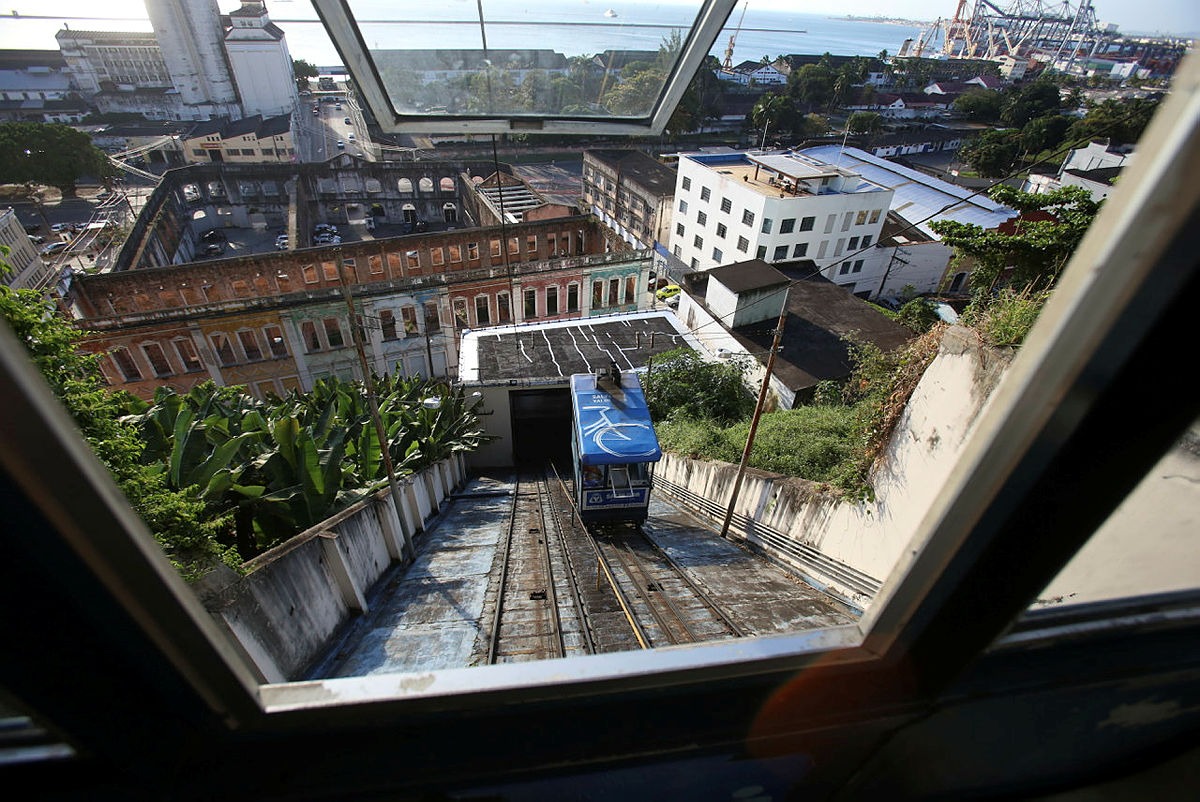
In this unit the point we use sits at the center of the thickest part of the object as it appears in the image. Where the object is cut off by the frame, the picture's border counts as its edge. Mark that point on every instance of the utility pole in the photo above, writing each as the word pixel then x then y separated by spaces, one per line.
pixel 368 381
pixel 758 408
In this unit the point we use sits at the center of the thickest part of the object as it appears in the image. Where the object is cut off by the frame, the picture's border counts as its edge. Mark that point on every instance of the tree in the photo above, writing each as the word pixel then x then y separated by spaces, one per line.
pixel 49 153
pixel 1028 102
pixel 979 105
pixel 812 85
pixel 303 71
pixel 864 122
pixel 1032 252
pixel 681 384
pixel 1121 122
pixel 993 153
pixel 1044 133
pixel 179 523
pixel 773 112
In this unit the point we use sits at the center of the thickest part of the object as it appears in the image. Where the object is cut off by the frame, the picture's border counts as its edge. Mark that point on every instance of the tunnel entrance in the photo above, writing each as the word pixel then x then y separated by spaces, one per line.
pixel 541 426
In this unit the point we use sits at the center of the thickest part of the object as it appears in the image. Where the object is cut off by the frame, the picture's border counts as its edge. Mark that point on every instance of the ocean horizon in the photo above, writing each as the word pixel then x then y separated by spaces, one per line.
pixel 579 29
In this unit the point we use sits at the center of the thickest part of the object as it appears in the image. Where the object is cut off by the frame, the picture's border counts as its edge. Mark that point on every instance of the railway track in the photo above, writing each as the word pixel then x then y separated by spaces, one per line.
pixel 563 589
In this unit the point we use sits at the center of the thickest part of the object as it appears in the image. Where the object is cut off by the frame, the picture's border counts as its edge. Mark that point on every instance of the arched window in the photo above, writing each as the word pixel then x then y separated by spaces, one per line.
pixel 425 185
pixel 446 184
pixel 405 185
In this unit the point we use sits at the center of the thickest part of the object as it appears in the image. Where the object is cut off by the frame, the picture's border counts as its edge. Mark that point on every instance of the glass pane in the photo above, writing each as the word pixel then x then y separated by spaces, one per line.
pixel 513 59
pixel 1150 544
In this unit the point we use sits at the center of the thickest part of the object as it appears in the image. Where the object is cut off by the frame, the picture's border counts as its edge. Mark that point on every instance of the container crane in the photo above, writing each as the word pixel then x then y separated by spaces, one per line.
pixel 728 63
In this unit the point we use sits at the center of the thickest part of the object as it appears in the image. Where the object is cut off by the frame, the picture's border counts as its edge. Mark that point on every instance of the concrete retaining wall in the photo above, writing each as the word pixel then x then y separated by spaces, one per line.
pixel 850 549
pixel 296 598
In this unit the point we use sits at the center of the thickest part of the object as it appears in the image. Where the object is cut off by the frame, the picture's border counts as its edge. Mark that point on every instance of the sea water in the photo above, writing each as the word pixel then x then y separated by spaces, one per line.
pixel 571 27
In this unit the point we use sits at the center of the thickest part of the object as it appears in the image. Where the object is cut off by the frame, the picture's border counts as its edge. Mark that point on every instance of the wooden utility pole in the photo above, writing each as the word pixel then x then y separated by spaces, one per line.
pixel 762 398
pixel 368 381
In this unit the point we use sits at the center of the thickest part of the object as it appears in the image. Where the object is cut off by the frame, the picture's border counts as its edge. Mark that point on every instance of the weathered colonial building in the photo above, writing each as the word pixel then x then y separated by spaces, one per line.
pixel 277 321
pixel 631 192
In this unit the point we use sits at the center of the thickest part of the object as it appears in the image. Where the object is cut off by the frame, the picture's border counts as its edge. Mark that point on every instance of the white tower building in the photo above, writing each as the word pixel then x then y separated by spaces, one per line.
pixel 261 64
pixel 191 37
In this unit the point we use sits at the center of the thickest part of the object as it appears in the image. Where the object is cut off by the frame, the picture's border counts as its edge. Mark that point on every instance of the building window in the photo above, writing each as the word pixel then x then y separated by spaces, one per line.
pixel 766 225
pixel 310 274
pixel 701 218
pixel 531 243
pixel 433 318
pixel 787 225
pixel 530 304
pixel 331 271
pixel 874 216
pixel 717 255
pixel 459 305
pixel 333 332
pixel 572 297
pixel 683 206
pixel 157 359
pixel 698 241
pixel 679 229
pixel 275 342
pixel 761 253
pixel 125 364
pixel 695 263
pixel 686 183
pixel 799 249
pixel 483 311
pixel 847 218
pixel 224 348
pixel 496 249
pixel 866 241
pixel 503 308
pixel 743 244
pixel 308 333
pixel 853 244
pixel 780 252
pixel 597 294
pixel 721 230
pixel 387 324
pixel 187 356
pixel 861 218
pixel 726 205
pixel 437 256
pixel 409 315
pixel 677 251
pixel 857 266
pixel 455 253
pixel 250 346
pixel 806 223
pixel 747 217
pixel 551 301
pixel 705 194
pixel 830 222
pixel 630 289
pixel 844 269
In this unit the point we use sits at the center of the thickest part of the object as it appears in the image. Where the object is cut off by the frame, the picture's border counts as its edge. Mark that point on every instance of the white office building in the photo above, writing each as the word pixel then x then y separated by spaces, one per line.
pixel 774 206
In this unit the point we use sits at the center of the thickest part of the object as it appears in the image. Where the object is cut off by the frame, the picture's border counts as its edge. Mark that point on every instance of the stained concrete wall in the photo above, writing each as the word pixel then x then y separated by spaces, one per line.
pixel 846 548
pixel 296 598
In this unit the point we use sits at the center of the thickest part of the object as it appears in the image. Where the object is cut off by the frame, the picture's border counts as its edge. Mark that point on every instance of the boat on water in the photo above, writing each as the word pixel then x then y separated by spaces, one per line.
pixel 610 13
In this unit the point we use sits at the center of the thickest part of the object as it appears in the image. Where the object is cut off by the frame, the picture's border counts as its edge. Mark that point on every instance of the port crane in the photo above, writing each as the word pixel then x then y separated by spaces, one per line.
pixel 728 63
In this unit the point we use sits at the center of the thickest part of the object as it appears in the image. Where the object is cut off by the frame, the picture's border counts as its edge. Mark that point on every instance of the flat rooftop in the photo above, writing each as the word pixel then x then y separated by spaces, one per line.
pixel 554 351
pixel 785 173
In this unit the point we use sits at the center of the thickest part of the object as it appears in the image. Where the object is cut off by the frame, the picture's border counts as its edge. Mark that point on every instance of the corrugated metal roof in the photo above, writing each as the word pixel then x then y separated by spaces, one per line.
pixel 919 198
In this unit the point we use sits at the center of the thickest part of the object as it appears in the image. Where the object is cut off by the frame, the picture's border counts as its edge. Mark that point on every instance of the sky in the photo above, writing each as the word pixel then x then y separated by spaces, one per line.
pixel 1180 17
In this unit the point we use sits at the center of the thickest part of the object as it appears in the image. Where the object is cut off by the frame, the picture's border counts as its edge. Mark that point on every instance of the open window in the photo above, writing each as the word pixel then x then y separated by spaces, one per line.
pixel 496 67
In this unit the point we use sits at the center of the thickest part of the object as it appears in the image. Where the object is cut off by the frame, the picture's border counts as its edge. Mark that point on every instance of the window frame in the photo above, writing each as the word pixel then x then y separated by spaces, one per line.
pixel 1031 464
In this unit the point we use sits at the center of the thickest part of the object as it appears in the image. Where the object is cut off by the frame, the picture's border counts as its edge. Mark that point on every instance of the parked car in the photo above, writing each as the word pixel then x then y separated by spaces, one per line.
pixel 37 240
pixel 54 247
pixel 350 136
pixel 346 121
pixel 281 242
pixel 422 226
pixel 59 228
pixel 669 291
pixel 341 145
pixel 213 235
